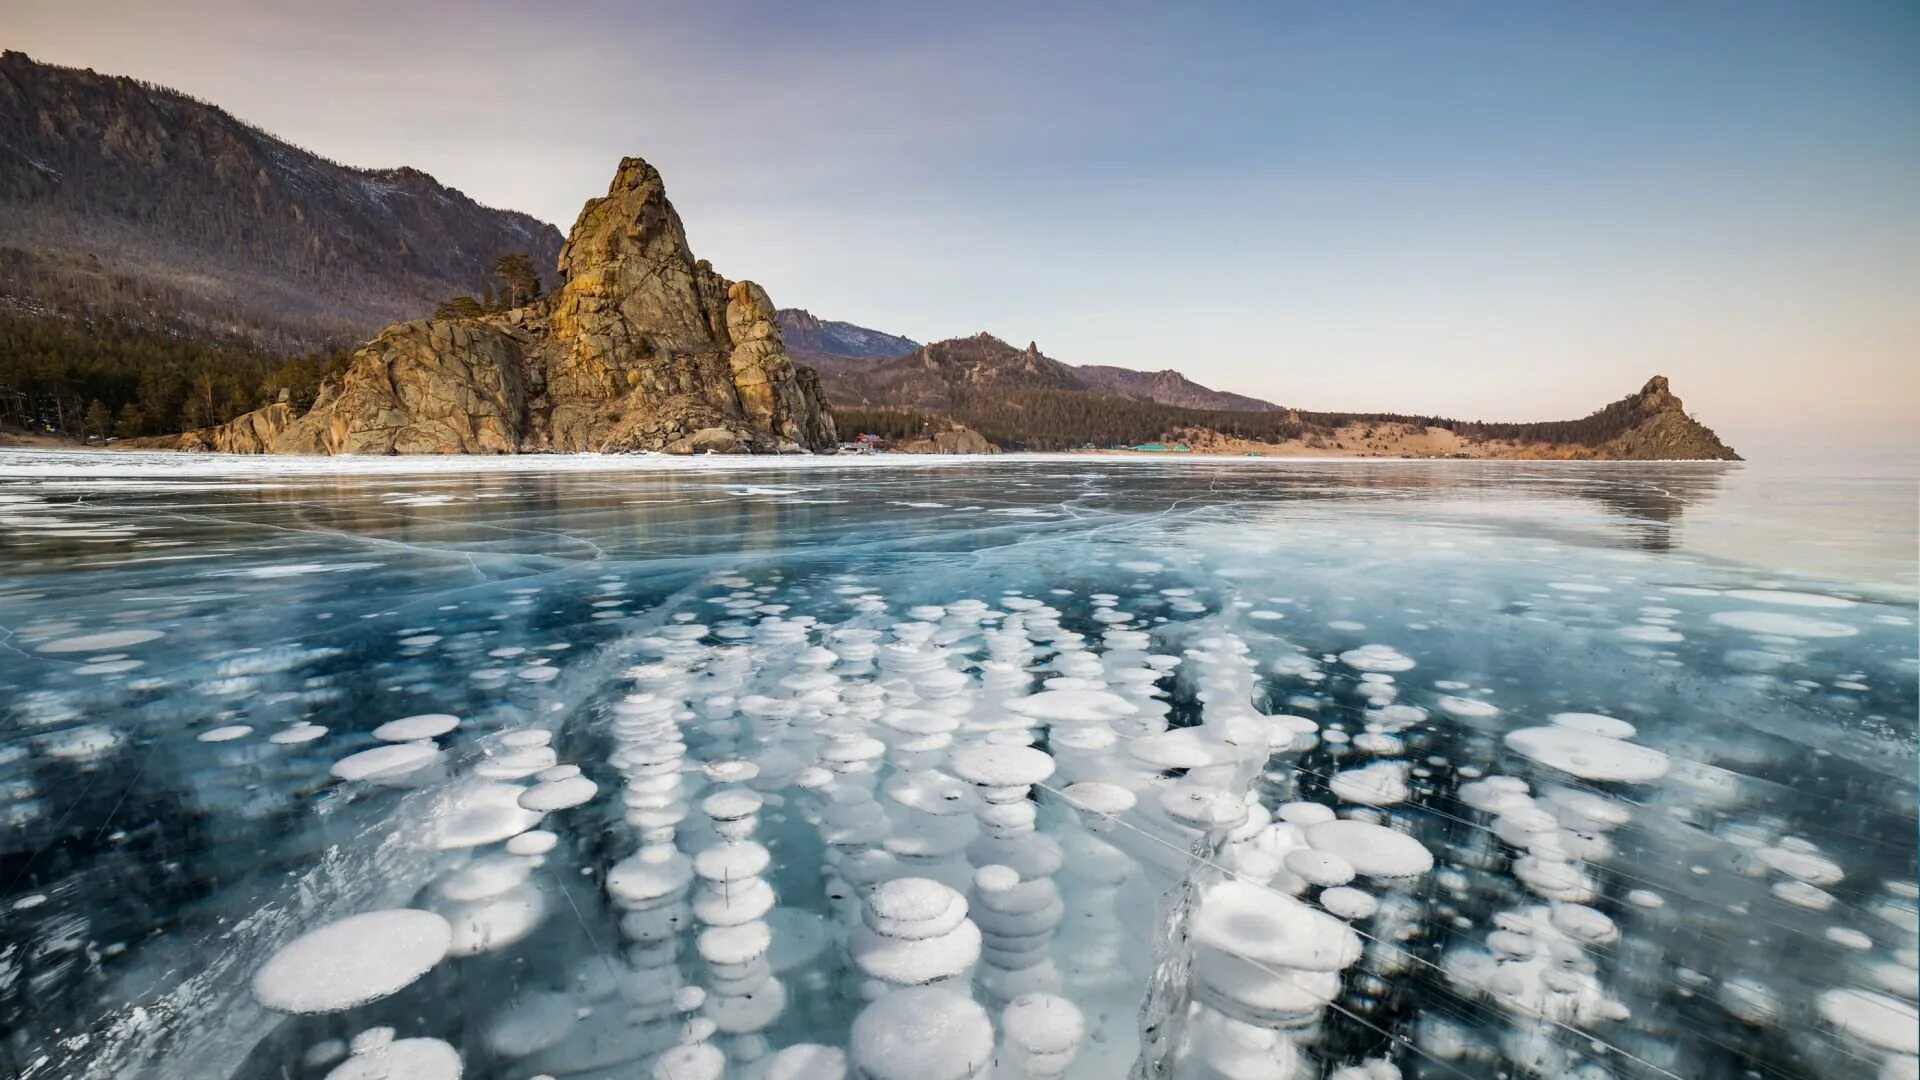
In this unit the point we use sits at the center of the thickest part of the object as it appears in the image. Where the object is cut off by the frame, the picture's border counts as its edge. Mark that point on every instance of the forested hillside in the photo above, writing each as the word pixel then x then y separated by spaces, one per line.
pixel 129 201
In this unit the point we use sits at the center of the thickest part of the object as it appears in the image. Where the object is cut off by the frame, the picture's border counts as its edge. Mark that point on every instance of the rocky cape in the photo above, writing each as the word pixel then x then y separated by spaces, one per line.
pixel 641 347
pixel 1016 398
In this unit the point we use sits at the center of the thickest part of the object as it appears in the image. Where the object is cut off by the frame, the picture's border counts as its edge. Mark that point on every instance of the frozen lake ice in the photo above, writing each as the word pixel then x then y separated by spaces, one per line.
pixel 945 768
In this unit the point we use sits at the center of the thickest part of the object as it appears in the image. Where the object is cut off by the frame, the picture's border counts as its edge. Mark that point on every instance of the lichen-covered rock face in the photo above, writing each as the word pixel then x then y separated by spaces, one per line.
pixel 642 347
pixel 248 433
pixel 430 387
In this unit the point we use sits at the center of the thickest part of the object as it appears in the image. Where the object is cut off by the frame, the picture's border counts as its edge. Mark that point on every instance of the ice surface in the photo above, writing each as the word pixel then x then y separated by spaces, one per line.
pixel 914 767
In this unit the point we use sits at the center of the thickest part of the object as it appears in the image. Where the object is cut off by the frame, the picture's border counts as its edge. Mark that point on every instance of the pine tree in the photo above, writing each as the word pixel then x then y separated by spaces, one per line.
pixel 521 280
pixel 97 420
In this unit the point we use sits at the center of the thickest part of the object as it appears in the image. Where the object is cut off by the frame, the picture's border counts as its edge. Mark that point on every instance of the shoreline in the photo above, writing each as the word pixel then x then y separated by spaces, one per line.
pixel 35 462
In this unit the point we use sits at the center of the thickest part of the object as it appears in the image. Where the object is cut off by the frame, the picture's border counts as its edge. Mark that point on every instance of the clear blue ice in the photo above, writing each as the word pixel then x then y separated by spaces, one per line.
pixel 924 768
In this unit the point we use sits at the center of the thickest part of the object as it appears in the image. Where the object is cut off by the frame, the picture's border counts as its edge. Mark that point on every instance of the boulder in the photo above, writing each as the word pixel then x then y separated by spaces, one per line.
pixel 958 439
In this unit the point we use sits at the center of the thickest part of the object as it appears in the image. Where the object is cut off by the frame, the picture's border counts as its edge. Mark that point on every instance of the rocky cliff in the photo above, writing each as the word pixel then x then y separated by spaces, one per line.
pixel 641 347
pixel 128 200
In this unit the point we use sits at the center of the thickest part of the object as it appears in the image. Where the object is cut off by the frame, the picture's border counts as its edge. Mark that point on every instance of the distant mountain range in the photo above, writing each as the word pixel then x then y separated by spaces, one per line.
pixel 127 200
pixel 811 341
pixel 840 349
pixel 982 389
pixel 162 263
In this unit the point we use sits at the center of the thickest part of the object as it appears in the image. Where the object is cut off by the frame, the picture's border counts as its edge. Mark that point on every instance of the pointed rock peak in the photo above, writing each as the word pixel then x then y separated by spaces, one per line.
pixel 1033 348
pixel 633 174
pixel 1656 395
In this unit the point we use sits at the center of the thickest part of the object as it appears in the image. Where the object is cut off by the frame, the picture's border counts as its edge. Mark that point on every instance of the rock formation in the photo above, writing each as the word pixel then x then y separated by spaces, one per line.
pixel 642 347
pixel 1662 430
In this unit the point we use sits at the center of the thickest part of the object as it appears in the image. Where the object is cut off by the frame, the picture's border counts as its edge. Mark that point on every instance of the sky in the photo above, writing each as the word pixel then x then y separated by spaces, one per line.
pixel 1512 211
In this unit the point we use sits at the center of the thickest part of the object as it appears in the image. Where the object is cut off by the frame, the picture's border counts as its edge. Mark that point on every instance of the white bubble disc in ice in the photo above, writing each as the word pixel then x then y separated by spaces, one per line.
pixel 1588 756
pixel 355 960
pixel 921 1033
pixel 1000 766
pixel 1269 927
pixel 561 794
pixel 1875 1019
pixel 1373 850
pixel 1382 783
pixel 414 1059
pixel 414 728
pixel 393 763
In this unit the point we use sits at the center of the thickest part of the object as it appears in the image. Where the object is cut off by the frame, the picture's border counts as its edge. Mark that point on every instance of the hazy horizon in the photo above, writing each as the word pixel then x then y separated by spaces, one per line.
pixel 1511 214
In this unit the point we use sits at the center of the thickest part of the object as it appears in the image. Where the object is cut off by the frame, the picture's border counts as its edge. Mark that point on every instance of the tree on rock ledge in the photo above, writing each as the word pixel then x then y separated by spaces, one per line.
pixel 521 280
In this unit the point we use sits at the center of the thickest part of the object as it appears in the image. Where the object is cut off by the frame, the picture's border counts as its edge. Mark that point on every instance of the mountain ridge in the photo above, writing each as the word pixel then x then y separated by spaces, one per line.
pixel 809 338
pixel 1024 399
pixel 131 200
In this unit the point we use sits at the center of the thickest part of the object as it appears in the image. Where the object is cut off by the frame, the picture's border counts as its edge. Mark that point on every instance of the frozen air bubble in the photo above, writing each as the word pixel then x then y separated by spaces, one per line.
pixel 1801 864
pixel 1802 895
pixel 479 813
pixel 1380 784
pixel 414 1059
pixel 1373 850
pixel 1268 927
pixel 1376 658
pixel 496 922
pixel 1789 598
pixel 1588 756
pixel 228 733
pixel 1318 867
pixel 350 962
pixel 1782 624
pixel 484 878
pixel 1349 903
pixel 102 642
pixel 921 1034
pixel 1304 814
pixel 1848 938
pixel 392 763
pixel 1099 798
pixel 415 728
pixel 1593 724
pixel 1466 708
pixel 559 794
pixel 532 842
pixel 1875 1019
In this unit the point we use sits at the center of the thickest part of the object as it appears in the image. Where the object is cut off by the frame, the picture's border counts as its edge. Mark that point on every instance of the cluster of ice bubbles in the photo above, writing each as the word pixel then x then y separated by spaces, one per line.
pixel 975 843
